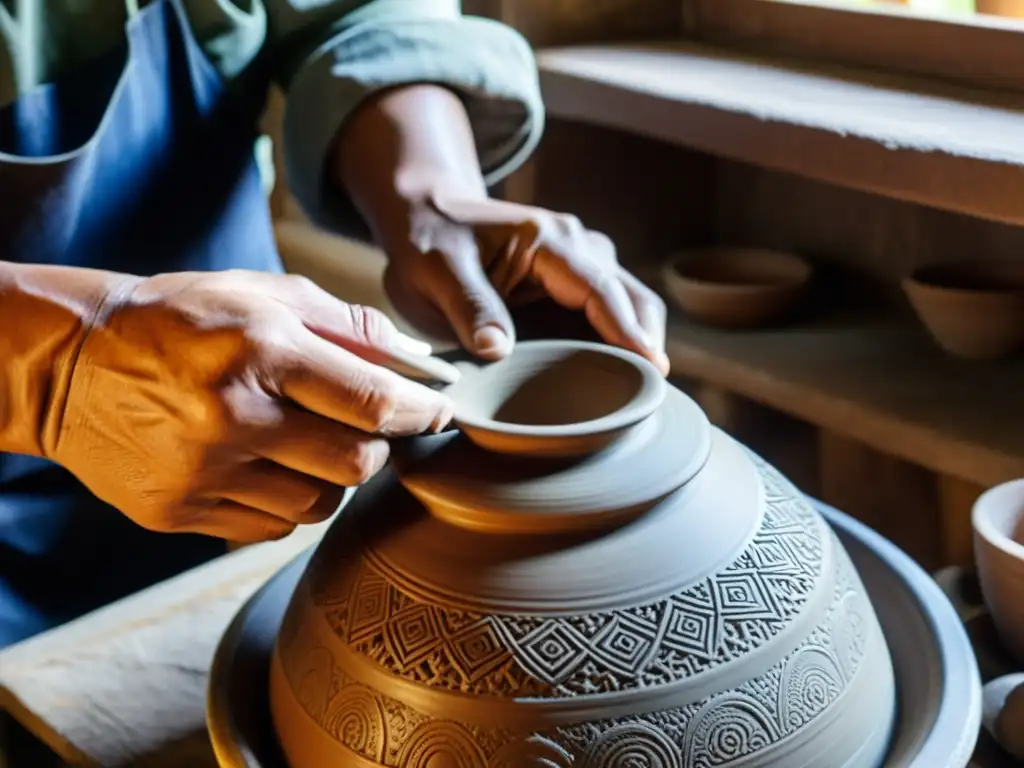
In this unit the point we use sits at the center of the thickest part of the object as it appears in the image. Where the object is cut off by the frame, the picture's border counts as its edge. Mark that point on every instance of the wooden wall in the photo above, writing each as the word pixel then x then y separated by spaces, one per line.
pixel 654 198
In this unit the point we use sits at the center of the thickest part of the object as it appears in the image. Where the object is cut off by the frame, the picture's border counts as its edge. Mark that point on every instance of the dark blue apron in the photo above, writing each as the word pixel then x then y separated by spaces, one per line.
pixel 141 162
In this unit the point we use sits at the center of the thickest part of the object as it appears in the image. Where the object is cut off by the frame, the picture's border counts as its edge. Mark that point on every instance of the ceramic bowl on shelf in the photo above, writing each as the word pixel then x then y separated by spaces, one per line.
pixel 998 520
pixel 667 599
pixel 973 309
pixel 733 287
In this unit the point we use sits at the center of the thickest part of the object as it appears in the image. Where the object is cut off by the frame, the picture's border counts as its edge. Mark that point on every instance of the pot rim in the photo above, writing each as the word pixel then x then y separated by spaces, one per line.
pixel 646 401
pixel 981 517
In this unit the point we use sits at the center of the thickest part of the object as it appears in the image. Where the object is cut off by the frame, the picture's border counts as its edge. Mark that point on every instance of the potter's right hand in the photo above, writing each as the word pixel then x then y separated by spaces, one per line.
pixel 234 404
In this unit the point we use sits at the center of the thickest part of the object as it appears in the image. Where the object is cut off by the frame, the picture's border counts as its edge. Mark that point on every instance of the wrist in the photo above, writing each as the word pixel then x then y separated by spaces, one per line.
pixel 46 313
pixel 401 149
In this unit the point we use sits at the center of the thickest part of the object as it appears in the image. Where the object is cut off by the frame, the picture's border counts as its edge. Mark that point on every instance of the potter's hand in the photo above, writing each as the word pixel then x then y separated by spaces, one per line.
pixel 234 404
pixel 408 160
pixel 471 258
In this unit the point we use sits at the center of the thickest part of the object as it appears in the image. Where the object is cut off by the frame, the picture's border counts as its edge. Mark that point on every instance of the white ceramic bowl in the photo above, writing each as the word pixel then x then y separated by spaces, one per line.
pixel 998 520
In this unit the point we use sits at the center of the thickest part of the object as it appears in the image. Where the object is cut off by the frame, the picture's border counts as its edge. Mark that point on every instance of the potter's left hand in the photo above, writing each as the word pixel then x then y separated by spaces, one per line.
pixel 470 258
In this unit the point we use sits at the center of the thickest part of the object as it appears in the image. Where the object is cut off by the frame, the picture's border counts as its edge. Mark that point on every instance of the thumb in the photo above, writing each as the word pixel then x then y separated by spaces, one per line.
pixel 460 288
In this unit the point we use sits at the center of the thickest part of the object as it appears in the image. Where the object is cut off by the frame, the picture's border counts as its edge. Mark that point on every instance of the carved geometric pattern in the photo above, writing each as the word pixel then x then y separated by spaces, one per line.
pixel 721 618
pixel 713 732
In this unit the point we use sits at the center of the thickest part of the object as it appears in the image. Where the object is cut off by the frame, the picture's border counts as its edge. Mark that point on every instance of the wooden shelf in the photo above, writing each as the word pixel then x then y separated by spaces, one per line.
pixel 882 383
pixel 912 139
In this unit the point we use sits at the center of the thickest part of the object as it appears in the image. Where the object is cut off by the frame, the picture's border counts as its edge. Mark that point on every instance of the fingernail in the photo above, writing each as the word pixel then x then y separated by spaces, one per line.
pixel 412 346
pixel 491 341
pixel 444 419
pixel 663 362
pixel 380 452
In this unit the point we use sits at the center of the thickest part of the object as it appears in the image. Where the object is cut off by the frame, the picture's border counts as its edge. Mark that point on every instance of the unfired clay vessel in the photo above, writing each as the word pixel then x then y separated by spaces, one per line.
pixel 973 309
pixel 737 287
pixel 668 601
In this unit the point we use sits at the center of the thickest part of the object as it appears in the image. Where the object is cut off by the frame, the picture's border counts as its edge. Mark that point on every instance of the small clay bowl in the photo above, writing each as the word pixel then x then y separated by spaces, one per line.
pixel 737 287
pixel 973 309
pixel 998 520
pixel 555 398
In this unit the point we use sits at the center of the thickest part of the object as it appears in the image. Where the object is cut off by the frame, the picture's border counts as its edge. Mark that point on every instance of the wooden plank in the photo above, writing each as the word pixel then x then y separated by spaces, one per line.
pixel 879 382
pixel 893 497
pixel 649 198
pixel 568 22
pixel 989 51
pixel 126 685
pixel 895 136
pixel 956 502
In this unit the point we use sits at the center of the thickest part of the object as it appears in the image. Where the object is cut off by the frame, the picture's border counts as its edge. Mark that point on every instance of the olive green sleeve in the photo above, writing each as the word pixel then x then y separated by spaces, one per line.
pixel 347 51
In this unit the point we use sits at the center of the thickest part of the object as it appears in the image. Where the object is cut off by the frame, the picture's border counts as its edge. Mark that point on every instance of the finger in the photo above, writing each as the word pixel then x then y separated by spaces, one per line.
pixel 236 522
pixel 311 445
pixel 417 310
pixel 281 492
pixel 456 281
pixel 651 314
pixel 579 282
pixel 364 331
pixel 340 386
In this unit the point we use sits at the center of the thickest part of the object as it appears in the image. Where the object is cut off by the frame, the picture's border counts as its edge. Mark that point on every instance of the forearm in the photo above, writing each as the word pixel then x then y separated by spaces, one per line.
pixel 400 148
pixel 45 313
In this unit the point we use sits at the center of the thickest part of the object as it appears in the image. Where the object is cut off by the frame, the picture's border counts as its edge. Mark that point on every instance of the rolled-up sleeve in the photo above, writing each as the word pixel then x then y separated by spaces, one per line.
pixel 385 43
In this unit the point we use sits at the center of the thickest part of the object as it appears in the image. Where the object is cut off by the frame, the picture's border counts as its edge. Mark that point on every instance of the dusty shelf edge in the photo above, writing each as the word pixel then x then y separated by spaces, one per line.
pixel 988 185
pixel 920 443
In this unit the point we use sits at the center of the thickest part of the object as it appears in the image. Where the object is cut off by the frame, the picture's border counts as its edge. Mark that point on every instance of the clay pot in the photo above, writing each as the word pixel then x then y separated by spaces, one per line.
pixel 973 309
pixel 737 287
pixel 555 398
pixel 1009 8
pixel 666 600
pixel 998 520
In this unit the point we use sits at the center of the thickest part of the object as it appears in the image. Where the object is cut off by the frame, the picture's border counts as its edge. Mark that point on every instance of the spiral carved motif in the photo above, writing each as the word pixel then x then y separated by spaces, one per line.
pixel 533 752
pixel 442 745
pixel 356 720
pixel 811 681
pixel 727 728
pixel 635 745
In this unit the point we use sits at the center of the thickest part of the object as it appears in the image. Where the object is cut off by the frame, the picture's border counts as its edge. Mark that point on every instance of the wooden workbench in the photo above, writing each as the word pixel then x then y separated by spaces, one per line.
pixel 126 686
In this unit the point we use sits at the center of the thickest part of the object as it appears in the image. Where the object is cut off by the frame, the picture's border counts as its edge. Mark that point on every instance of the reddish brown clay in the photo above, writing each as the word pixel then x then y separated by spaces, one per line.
pixel 973 309
pixel 737 287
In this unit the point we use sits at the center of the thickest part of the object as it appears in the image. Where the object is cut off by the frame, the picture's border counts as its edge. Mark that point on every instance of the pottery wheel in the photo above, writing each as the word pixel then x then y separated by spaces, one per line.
pixel 940 691
pixel 473 488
